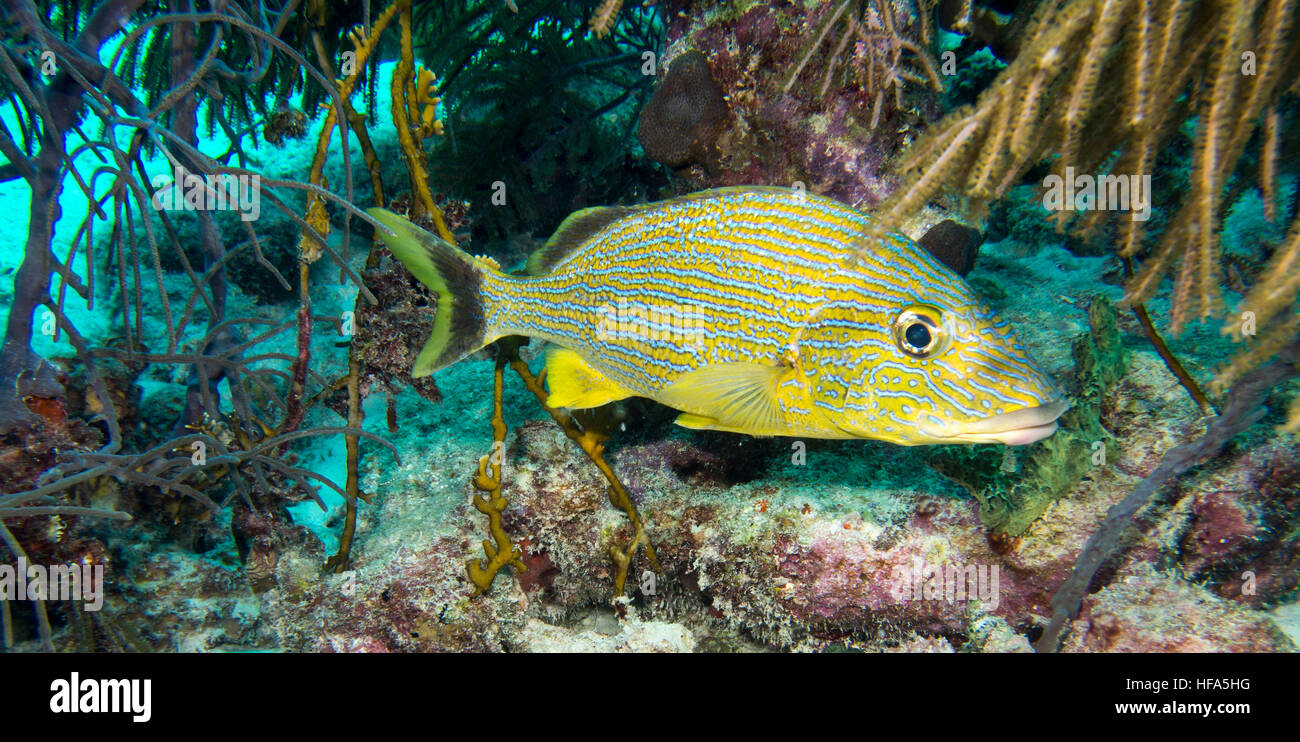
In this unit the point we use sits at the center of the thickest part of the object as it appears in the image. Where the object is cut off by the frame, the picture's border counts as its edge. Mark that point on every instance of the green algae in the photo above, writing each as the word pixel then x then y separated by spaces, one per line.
pixel 988 289
pixel 1012 495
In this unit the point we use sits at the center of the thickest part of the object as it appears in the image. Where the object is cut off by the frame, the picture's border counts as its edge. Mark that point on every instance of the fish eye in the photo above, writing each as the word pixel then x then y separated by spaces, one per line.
pixel 917 335
pixel 918 331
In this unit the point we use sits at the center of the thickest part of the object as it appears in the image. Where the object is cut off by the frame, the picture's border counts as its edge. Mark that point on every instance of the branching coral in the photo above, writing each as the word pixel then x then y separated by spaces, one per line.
pixel 269 391
pixel 250 83
pixel 881 58
pixel 408 122
pixel 414 116
pixel 500 551
pixel 1100 86
pixel 219 448
pixel 538 113
pixel 26 506
pixel 585 429
pixel 1271 300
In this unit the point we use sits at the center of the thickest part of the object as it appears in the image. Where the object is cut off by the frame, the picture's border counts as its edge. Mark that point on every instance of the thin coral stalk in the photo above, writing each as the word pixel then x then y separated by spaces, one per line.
pixel 821 36
pixel 1268 164
pixel 338 562
pixel 592 442
pixel 422 205
pixel 1171 361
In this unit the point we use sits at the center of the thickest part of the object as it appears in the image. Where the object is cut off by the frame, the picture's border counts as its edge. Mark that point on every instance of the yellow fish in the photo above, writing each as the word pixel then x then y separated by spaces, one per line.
pixel 766 311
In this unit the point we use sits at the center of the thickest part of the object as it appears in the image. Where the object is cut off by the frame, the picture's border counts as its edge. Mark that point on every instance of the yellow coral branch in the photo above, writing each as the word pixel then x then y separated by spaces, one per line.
pixel 1268 164
pixel 1124 76
pixel 1293 417
pixel 500 551
pixel 364 45
pixel 931 180
pixel 1141 65
pixel 1105 28
pixel 1279 284
pixel 1266 346
pixel 404 103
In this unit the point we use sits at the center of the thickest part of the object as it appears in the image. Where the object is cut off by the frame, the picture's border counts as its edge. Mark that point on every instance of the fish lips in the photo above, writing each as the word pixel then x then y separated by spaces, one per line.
pixel 1015 428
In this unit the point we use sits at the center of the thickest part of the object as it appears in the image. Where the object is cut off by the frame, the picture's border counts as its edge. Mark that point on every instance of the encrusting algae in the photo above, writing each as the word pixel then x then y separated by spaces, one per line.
pixel 765 311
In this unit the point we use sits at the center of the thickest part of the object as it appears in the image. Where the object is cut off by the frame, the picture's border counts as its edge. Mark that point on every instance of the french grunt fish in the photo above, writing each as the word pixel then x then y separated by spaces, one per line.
pixel 759 310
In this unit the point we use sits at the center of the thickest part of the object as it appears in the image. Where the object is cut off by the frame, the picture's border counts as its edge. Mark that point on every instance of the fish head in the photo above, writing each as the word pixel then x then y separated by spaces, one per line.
pixel 938 367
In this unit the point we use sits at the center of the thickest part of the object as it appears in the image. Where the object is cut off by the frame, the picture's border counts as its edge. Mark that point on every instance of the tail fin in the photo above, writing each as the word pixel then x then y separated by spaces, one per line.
pixel 458 326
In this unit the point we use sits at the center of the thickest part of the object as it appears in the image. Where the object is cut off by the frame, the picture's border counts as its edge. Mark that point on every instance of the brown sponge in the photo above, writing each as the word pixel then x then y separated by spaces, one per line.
pixel 682 120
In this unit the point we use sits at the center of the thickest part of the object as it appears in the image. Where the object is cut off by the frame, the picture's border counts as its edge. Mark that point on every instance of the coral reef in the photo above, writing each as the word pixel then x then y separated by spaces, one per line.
pixel 220 411
pixel 803 556
pixel 220 447
pixel 821 93
pixel 1242 410
pixel 785 563
pixel 1150 612
pixel 1240 539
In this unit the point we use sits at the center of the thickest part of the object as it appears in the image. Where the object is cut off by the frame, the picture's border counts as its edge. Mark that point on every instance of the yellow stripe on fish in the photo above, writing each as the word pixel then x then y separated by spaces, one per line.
pixel 767 311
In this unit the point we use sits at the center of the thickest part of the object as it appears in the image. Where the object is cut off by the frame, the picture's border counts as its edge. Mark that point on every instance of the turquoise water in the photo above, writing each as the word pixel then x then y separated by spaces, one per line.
pixel 760 543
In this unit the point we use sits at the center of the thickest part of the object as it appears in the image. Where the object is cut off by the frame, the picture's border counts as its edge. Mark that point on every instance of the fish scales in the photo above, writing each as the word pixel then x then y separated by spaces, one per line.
pixel 760 310
pixel 680 259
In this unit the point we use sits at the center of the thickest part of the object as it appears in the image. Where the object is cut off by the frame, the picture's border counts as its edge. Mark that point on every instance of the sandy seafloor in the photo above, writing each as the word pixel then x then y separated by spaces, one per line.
pixel 758 553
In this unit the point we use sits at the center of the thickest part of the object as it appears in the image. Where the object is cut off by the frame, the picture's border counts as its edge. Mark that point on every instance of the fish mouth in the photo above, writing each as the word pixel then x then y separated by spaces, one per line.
pixel 1016 428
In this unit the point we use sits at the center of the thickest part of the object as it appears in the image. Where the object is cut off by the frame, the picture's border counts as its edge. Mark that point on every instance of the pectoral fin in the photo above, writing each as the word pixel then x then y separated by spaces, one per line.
pixel 736 397
pixel 574 383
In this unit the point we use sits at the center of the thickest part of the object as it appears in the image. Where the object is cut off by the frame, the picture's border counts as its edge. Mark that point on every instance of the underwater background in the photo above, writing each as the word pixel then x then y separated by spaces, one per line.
pixel 213 400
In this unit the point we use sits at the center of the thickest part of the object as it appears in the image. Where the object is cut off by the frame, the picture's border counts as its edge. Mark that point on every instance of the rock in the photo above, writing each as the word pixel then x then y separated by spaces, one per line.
pixel 633 636
pixel 1150 611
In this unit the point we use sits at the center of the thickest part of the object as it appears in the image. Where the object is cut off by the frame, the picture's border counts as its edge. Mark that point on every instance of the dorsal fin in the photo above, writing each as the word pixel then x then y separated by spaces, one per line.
pixel 572 232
